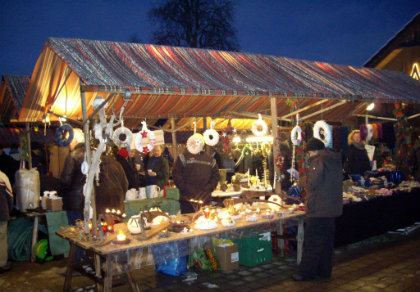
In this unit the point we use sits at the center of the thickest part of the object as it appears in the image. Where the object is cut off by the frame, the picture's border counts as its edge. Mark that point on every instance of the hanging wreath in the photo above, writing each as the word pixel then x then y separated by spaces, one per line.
pixel 211 137
pixel 145 133
pixel 195 143
pixel 327 132
pixel 64 135
pixel 122 137
pixel 279 161
pixel 259 128
pixel 369 134
pixel 296 140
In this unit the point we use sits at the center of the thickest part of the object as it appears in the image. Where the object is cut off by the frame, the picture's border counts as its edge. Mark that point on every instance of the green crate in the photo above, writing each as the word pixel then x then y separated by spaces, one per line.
pixel 172 193
pixel 255 250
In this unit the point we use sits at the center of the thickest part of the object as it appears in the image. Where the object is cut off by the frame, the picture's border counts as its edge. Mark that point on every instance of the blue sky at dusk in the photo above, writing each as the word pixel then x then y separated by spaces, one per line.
pixel 342 32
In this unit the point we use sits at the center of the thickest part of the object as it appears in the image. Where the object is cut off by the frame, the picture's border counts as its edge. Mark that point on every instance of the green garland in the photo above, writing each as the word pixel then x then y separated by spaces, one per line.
pixel 403 140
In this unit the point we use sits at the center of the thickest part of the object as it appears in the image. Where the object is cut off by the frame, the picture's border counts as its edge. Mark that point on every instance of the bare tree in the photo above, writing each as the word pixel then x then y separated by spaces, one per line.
pixel 195 23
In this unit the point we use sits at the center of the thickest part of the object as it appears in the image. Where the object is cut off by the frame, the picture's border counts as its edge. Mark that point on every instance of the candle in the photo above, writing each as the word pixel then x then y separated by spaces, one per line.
pixel 107 210
pixel 121 236
pixel 124 215
pixel 118 212
pixel 206 213
pixel 113 211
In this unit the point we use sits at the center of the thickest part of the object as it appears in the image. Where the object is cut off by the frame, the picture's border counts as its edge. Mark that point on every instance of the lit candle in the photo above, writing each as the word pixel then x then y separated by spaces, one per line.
pixel 107 210
pixel 206 213
pixel 113 211
pixel 124 215
pixel 118 212
pixel 121 236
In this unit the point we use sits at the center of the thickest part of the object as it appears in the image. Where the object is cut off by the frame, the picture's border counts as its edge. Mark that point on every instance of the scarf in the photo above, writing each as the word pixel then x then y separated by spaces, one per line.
pixel 359 145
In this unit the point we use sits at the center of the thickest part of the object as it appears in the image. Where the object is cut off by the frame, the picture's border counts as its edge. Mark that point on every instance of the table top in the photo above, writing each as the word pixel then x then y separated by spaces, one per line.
pixel 232 193
pixel 136 241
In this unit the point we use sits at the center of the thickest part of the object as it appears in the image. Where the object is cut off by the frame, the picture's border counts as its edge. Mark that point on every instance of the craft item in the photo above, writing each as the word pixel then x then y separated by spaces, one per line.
pixel 296 140
pixel 195 143
pixel 122 137
pixel 327 132
pixel 64 135
pixel 121 238
pixel 211 137
pixel 145 133
pixel 259 128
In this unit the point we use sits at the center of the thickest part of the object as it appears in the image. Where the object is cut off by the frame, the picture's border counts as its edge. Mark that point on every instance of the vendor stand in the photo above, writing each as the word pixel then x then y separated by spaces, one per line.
pixel 81 79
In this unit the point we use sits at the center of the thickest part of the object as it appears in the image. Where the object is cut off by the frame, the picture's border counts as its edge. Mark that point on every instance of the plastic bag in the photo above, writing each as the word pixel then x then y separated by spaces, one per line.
pixel 175 267
pixel 204 260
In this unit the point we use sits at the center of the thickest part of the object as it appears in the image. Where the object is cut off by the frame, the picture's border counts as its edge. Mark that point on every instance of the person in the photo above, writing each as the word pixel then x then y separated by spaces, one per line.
pixel 168 156
pixel 357 160
pixel 113 185
pixel 415 156
pixel 6 202
pixel 196 176
pixel 130 172
pixel 323 202
pixel 157 170
pixel 72 181
pixel 229 165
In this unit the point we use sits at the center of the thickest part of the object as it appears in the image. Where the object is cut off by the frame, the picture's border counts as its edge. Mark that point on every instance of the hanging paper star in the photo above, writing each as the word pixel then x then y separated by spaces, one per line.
pixel 144 134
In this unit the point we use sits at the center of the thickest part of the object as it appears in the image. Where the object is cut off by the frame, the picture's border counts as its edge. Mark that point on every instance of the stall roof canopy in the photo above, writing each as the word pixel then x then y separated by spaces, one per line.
pixel 12 94
pixel 182 82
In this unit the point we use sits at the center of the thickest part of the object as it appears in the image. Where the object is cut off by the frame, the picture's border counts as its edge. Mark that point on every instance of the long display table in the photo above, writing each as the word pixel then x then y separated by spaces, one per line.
pixel 376 216
pixel 124 258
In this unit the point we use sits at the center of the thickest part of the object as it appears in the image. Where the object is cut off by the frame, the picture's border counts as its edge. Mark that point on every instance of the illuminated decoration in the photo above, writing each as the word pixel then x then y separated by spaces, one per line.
pixel 259 128
pixel 236 139
pixel 227 135
pixel 251 139
pixel 415 72
pixel 370 106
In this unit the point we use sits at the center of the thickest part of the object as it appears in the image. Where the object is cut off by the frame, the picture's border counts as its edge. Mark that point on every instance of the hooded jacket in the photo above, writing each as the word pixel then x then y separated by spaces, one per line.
pixel 196 175
pixel 324 185
pixel 73 180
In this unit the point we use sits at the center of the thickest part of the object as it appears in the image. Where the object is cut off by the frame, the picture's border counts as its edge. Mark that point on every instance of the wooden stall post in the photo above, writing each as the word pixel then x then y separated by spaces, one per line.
pixel 28 137
pixel 275 142
pixel 174 144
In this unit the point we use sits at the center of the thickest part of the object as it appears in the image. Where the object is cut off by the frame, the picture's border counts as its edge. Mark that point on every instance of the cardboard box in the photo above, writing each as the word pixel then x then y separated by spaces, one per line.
pixel 255 250
pixel 228 257
pixel 55 204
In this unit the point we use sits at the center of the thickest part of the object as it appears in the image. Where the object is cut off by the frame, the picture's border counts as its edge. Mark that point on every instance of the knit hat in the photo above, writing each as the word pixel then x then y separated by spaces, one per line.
pixel 314 144
pixel 123 152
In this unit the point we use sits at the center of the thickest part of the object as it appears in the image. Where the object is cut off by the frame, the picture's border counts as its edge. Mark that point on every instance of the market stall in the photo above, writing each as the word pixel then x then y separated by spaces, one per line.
pixel 118 87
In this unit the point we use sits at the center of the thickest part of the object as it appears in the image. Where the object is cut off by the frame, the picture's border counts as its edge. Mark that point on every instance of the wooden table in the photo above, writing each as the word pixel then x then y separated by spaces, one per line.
pixel 121 255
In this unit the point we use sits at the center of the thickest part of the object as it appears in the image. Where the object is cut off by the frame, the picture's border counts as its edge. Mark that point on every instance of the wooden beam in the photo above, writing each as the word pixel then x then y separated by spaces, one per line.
pixel 304 108
pixel 323 110
pixel 376 117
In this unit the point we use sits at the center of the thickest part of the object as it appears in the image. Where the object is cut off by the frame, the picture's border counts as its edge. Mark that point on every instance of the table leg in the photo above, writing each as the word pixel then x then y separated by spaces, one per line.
pixel 108 274
pixel 280 231
pixel 34 238
pixel 133 284
pixel 69 271
pixel 300 234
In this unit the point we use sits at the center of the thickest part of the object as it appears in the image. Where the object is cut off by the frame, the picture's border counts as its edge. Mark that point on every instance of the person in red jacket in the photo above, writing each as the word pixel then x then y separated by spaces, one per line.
pixel 323 186
pixel 196 176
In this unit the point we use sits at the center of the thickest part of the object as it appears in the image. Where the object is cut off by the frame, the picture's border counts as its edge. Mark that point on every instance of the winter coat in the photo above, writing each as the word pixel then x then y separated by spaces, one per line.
pixel 113 185
pixel 196 176
pixel 161 168
pixel 357 161
pixel 324 185
pixel 130 172
pixel 73 180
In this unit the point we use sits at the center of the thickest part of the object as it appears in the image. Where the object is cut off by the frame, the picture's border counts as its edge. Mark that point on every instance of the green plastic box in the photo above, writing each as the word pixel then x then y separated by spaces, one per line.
pixel 255 249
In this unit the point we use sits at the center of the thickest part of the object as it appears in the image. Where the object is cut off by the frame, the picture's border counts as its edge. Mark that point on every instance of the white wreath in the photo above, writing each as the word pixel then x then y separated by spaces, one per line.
pixel 327 132
pixel 369 135
pixel 139 139
pixel 211 137
pixel 195 143
pixel 296 130
pixel 259 128
pixel 122 142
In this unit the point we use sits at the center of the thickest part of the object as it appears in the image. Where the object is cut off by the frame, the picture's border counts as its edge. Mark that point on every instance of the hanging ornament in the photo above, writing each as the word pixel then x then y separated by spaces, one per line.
pixel 227 135
pixel 122 137
pixel 322 125
pixel 296 131
pixel 211 137
pixel 259 128
pixel 195 143
pixel 145 133
pixel 64 135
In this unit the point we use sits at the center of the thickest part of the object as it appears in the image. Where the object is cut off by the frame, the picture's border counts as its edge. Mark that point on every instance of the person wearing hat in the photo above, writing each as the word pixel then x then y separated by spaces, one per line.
pixel 129 170
pixel 357 160
pixel 323 185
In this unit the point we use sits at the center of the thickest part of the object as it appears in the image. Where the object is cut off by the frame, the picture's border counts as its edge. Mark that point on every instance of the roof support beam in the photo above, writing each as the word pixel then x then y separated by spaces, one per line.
pixel 323 110
pixel 376 117
pixel 304 108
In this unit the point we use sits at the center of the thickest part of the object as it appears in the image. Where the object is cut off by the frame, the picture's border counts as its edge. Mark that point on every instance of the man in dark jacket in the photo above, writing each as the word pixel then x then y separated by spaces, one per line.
pixel 130 172
pixel 6 201
pixel 157 168
pixel 73 180
pixel 323 202
pixel 196 176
